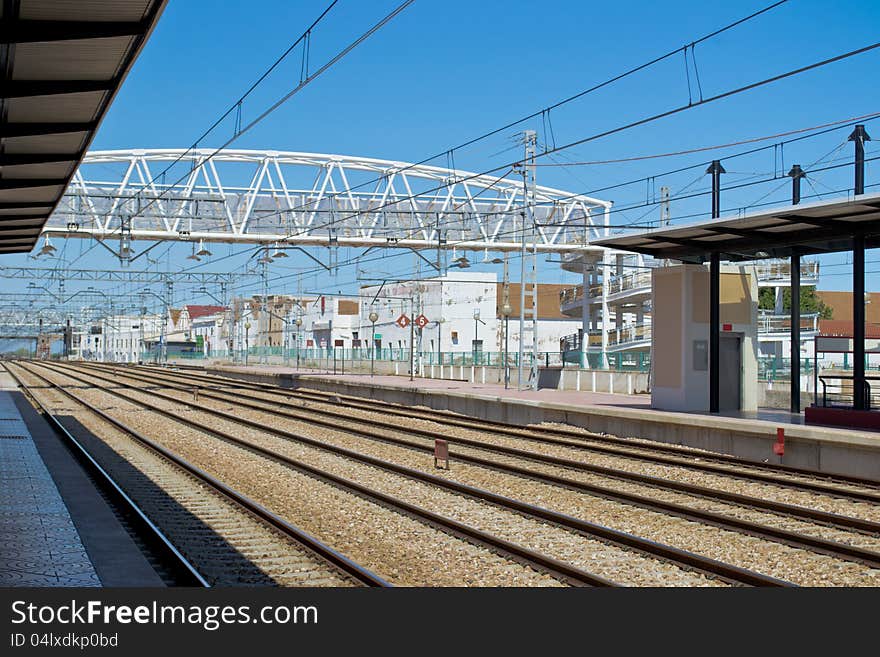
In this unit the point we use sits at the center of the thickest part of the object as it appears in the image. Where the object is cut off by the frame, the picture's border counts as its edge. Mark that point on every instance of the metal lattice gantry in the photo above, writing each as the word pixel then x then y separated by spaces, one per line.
pixel 311 199
pixel 61 274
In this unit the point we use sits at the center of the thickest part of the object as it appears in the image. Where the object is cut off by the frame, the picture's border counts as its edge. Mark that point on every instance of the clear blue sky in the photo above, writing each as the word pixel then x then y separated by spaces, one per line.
pixel 443 72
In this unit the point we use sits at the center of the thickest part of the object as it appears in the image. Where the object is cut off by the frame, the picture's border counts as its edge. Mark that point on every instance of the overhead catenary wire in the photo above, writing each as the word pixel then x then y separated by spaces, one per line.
pixel 450 152
pixel 281 101
pixel 605 133
pixel 514 256
pixel 751 86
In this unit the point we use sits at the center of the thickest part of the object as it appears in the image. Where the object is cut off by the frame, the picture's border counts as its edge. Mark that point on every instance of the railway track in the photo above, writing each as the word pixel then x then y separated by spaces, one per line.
pixel 331 419
pixel 452 531
pixel 222 536
pixel 868 557
pixel 628 547
pixel 584 441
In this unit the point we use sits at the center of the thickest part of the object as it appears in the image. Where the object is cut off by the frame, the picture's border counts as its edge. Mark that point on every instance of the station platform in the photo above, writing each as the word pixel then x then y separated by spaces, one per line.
pixel 747 435
pixel 55 527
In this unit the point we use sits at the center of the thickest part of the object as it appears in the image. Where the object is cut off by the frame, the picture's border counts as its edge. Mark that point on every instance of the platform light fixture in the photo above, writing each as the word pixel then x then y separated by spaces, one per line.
pixel 202 250
pixel 47 249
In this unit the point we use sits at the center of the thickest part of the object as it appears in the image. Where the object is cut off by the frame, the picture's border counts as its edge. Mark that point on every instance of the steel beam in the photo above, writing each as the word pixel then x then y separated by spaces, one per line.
pixel 36 31
pixel 48 128
pixel 28 88
pixel 860 398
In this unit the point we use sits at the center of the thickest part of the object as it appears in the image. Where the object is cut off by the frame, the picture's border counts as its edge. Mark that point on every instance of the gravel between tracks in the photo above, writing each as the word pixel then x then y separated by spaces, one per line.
pixel 731 483
pixel 395 546
pixel 228 546
pixel 800 566
pixel 621 565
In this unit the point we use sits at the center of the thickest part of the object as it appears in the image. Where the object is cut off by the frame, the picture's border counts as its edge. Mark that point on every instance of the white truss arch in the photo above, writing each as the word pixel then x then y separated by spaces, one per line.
pixel 313 199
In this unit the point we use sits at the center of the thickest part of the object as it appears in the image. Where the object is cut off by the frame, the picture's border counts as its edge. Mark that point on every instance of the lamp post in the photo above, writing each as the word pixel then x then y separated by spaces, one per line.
pixel 477 322
pixel 505 312
pixel 247 328
pixel 373 317
pixel 298 323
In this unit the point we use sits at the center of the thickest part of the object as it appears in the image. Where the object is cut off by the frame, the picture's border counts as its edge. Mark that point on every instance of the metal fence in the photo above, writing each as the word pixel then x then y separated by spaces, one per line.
pixel 325 357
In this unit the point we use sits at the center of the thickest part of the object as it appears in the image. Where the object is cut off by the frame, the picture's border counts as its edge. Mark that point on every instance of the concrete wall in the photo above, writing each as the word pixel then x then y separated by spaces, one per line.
pixel 553 378
pixel 827 450
pixel 680 299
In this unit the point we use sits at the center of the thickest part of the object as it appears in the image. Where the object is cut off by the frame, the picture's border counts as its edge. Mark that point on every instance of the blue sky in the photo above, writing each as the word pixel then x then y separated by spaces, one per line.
pixel 443 72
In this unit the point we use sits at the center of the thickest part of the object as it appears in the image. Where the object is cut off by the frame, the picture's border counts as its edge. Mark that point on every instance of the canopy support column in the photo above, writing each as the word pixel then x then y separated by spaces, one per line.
pixel 795 332
pixel 714 331
pixel 860 398
pixel 796 174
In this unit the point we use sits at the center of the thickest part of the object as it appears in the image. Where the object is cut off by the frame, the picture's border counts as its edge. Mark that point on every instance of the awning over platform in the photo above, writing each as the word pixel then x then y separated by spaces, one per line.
pixel 822 227
pixel 61 64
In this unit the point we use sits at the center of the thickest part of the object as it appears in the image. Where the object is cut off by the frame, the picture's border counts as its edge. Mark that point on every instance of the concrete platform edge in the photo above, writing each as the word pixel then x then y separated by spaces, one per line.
pixel 114 555
pixel 835 451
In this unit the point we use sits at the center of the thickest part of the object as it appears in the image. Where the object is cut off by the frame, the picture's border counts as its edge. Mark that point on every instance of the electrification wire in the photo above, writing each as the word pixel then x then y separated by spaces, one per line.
pixel 703 149
pixel 281 101
pixel 236 106
pixel 307 272
pixel 649 119
pixel 545 111
pixel 357 260
pixel 664 114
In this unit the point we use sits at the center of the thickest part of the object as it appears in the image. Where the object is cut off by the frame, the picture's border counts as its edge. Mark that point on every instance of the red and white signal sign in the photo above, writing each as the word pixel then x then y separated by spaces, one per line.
pixel 421 321
pixel 403 321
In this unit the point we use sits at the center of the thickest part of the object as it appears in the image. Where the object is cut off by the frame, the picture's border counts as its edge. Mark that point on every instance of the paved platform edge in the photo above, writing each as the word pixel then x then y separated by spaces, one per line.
pixel 116 558
pixel 835 451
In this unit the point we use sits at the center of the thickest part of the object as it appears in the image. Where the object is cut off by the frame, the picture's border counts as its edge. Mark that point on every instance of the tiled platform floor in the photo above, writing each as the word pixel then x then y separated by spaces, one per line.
pixel 39 545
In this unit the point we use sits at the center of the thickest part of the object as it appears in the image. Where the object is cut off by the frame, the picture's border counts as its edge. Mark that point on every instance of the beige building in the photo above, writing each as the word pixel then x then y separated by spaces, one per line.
pixel 681 338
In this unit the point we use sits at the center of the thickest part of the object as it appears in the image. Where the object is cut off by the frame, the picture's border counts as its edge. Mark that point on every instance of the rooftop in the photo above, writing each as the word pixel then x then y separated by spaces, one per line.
pixel 61 64
pixel 809 228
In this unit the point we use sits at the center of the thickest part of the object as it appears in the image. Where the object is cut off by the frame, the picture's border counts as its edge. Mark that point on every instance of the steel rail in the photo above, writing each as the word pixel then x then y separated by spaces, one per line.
pixel 184 572
pixel 516 552
pixel 312 545
pixel 793 539
pixel 724 571
pixel 539 434
pixel 546 435
pixel 301 413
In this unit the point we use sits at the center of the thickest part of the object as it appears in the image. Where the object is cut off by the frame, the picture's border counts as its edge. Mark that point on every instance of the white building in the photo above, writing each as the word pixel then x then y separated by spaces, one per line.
pixel 463 312
pixel 119 338
pixel 206 325
pixel 614 305
pixel 325 322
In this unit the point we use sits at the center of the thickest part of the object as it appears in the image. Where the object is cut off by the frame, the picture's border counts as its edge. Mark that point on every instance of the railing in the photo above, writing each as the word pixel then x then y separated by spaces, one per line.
pixel 572 294
pixel 342 358
pixel 631 281
pixel 594 337
pixel 767 271
pixel 773 368
pixel 625 361
pixel 838 390
pixel 770 323
pixel 781 270
pixel 629 334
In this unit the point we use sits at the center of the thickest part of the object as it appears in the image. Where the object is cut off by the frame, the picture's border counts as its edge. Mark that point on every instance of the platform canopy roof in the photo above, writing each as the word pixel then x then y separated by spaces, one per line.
pixel 61 64
pixel 809 228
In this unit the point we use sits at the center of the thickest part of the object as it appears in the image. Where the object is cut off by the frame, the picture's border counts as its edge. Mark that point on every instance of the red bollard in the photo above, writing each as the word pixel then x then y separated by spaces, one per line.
pixel 441 453
pixel 779 445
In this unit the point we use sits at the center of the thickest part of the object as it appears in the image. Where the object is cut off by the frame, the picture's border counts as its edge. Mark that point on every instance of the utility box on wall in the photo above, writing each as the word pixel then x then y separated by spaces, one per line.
pixel 680 338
